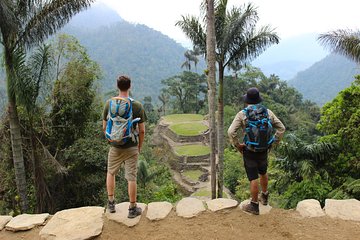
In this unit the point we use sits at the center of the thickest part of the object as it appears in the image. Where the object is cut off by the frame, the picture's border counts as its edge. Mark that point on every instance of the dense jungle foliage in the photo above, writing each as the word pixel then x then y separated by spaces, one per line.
pixel 65 151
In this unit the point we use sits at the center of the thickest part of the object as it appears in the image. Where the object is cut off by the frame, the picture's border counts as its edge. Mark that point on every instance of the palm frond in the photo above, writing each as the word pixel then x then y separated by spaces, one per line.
pixel 41 64
pixel 306 168
pixel 192 28
pixel 237 23
pixel 8 20
pixel 344 42
pixel 20 85
pixel 47 17
pixel 320 151
pixel 252 44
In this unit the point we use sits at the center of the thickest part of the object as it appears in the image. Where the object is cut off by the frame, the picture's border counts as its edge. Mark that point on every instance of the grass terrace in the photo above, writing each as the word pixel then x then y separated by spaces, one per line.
pixel 193 175
pixel 192 150
pixel 178 118
pixel 188 129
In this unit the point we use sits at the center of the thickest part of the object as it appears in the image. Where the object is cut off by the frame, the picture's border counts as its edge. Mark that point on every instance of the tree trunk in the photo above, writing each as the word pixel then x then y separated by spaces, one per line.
pixel 211 77
pixel 221 131
pixel 18 158
pixel 16 139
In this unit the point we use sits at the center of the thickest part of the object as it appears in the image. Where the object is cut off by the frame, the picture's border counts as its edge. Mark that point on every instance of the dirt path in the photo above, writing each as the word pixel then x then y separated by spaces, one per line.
pixel 234 224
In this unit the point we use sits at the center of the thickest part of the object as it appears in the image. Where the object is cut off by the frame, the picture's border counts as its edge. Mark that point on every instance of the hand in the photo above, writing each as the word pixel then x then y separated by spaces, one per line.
pixel 139 148
pixel 241 147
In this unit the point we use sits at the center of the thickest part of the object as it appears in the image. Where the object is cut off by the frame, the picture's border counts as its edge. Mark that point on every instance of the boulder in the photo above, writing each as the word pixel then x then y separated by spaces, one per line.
pixel 221 203
pixel 158 210
pixel 4 220
pixel 26 221
pixel 74 224
pixel 348 209
pixel 310 208
pixel 121 214
pixel 189 207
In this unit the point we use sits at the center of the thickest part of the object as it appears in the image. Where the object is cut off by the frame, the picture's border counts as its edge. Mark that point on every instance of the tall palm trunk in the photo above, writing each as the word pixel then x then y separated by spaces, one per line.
pixel 16 139
pixel 210 50
pixel 221 131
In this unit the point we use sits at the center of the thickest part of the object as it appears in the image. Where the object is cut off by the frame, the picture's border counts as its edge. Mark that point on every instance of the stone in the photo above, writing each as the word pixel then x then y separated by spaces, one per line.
pixel 158 210
pixel 26 221
pixel 74 224
pixel 263 209
pixel 310 208
pixel 189 207
pixel 121 214
pixel 348 209
pixel 221 203
pixel 4 220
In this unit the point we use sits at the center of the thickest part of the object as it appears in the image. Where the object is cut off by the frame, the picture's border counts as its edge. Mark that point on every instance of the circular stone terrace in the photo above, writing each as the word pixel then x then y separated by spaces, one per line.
pixel 187 135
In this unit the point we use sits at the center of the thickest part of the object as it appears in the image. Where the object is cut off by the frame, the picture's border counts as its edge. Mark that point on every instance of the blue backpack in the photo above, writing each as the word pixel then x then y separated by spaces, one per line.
pixel 119 128
pixel 258 130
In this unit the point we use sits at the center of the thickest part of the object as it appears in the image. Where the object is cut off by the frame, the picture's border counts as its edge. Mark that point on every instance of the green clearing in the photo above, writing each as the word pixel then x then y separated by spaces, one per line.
pixel 193 174
pixel 192 150
pixel 178 118
pixel 188 129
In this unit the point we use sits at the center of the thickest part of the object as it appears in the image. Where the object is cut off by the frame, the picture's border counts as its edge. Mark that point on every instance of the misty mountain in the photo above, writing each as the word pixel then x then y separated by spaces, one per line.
pixel 291 56
pixel 96 16
pixel 323 80
pixel 120 47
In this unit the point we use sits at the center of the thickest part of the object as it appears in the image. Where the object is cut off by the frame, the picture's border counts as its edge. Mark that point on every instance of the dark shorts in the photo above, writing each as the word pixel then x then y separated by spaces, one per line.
pixel 255 163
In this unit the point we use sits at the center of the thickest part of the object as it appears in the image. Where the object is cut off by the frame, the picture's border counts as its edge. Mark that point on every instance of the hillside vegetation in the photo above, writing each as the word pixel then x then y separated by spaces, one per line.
pixel 322 81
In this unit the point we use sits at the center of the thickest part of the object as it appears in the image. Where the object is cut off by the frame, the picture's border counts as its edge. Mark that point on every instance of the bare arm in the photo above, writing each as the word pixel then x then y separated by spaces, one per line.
pixel 104 125
pixel 278 125
pixel 232 131
pixel 141 135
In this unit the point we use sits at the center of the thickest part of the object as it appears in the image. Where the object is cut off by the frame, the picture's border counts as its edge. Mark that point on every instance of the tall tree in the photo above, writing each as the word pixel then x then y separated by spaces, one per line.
pixel 237 42
pixel 164 97
pixel 345 42
pixel 186 90
pixel 25 23
pixel 211 77
pixel 190 56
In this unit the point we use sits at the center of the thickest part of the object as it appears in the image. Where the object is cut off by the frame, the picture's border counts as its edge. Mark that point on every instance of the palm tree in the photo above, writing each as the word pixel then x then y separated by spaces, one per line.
pixel 164 98
pixel 237 42
pixel 345 42
pixel 25 23
pixel 211 63
pixel 32 75
pixel 191 56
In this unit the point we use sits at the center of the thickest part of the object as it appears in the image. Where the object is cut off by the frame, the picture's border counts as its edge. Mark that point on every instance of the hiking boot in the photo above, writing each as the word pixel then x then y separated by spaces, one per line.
pixel 263 198
pixel 251 208
pixel 134 212
pixel 111 206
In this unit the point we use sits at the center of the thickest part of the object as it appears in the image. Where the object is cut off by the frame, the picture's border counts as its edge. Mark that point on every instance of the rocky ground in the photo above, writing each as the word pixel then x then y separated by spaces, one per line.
pixel 226 224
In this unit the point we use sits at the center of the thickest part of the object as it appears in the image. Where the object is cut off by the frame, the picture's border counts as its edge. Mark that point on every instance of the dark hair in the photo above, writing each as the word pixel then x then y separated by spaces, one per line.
pixel 123 83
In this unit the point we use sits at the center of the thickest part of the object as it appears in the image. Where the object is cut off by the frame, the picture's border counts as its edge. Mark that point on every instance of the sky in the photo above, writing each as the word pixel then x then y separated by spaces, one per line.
pixel 290 18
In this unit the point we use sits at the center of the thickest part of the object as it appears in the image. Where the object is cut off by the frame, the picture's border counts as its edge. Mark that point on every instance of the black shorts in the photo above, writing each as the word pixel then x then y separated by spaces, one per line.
pixel 255 163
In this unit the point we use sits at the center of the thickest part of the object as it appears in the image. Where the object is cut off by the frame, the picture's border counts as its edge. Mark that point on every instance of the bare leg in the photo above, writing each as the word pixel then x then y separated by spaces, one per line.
pixel 264 182
pixel 132 188
pixel 110 186
pixel 254 190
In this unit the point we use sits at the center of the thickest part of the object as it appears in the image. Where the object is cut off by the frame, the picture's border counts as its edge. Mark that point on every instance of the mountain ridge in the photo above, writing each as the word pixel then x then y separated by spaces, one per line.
pixel 326 78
